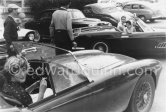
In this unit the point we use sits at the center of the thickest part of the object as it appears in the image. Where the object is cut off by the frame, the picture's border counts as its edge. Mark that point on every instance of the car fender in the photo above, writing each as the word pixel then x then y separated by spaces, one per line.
pixel 23 32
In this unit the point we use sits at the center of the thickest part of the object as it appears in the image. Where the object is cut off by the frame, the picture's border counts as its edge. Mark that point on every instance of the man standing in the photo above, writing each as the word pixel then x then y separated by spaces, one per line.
pixel 11 28
pixel 61 27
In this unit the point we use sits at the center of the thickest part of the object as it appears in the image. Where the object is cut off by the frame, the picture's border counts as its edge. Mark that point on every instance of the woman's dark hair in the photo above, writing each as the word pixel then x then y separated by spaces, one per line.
pixel 129 22
pixel 7 75
pixel 64 2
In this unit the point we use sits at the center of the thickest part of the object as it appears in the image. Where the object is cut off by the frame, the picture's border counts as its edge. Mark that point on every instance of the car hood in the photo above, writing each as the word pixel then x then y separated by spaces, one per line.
pixel 87 21
pixel 94 59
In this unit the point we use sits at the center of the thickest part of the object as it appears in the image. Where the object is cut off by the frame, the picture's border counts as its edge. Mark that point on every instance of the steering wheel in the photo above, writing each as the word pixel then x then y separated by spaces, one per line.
pixel 34 77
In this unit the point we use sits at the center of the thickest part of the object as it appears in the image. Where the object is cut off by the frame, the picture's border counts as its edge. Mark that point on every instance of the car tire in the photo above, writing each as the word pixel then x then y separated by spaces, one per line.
pixel 37 37
pixel 143 95
pixel 102 46
pixel 143 18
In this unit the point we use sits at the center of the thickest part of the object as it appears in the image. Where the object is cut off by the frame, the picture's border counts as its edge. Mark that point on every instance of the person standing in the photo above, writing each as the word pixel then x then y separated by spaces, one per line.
pixel 11 28
pixel 61 28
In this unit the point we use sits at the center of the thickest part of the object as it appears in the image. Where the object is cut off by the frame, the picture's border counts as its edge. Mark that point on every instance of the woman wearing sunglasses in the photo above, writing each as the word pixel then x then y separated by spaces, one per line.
pixel 14 73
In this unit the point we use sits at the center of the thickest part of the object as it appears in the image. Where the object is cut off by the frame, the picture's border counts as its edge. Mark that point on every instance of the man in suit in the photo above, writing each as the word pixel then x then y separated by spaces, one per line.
pixel 61 28
pixel 11 28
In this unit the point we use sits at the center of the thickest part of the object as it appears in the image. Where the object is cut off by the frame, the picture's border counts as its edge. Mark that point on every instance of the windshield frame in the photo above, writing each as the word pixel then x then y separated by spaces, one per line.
pixel 144 26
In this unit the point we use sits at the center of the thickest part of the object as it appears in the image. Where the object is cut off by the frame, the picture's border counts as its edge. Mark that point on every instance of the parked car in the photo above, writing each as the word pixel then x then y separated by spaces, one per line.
pixel 23 34
pixel 87 81
pixel 144 10
pixel 41 24
pixel 145 41
pixel 106 12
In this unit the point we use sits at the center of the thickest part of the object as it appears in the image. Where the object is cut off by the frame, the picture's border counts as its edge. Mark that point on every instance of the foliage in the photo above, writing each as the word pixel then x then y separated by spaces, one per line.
pixel 38 5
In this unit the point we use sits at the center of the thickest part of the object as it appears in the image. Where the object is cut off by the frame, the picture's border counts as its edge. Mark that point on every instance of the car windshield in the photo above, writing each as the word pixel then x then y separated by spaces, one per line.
pixel 144 26
pixel 65 69
pixel 77 14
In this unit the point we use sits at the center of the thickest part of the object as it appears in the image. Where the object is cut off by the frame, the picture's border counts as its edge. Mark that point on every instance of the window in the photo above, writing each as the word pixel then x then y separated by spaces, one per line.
pixel 66 76
pixel 142 7
pixel 127 7
pixel 135 6
pixel 77 15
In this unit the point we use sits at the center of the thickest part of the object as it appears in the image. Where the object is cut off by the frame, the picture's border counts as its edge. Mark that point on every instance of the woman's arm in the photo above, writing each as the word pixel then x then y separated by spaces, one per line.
pixel 42 89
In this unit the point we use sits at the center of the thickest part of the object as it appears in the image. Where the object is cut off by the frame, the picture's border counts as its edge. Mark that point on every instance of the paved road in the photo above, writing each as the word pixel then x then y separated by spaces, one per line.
pixel 159 104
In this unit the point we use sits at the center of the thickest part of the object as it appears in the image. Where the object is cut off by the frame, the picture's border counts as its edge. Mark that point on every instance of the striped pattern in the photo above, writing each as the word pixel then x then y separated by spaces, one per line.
pixel 161 45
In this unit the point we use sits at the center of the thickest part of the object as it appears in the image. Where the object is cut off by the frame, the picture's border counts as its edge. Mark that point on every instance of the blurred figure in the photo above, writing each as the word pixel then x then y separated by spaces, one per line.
pixel 122 24
pixel 11 28
pixel 21 19
pixel 129 29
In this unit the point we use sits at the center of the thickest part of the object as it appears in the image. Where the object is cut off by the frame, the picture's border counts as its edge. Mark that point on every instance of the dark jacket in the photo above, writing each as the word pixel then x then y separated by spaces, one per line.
pixel 13 89
pixel 10 30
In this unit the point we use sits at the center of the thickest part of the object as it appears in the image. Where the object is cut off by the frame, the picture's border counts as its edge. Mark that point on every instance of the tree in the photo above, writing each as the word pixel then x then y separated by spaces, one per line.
pixel 38 5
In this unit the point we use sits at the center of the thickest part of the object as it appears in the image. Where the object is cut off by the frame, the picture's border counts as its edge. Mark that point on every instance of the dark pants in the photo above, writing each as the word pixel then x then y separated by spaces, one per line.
pixel 10 51
pixel 63 41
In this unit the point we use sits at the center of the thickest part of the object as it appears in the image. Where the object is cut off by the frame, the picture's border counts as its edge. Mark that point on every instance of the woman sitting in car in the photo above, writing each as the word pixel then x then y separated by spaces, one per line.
pixel 129 29
pixel 14 73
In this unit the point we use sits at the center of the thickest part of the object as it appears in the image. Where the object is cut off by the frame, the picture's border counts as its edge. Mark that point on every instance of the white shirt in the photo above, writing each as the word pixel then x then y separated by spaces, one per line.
pixel 61 19
pixel 129 30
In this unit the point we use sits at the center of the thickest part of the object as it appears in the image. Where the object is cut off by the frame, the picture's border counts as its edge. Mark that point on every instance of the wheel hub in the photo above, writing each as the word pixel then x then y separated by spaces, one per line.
pixel 144 96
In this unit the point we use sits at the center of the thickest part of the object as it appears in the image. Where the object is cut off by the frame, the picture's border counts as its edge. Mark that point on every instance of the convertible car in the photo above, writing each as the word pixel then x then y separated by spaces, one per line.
pixel 42 22
pixel 145 41
pixel 86 81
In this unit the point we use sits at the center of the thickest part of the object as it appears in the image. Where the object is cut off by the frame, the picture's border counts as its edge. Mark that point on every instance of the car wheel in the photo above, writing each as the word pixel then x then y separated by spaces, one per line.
pixel 143 95
pixel 102 46
pixel 152 20
pixel 37 37
pixel 143 18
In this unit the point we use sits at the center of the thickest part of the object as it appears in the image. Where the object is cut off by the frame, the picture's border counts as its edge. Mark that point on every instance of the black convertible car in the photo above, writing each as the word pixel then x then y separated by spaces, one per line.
pixel 86 81
pixel 145 41
pixel 42 21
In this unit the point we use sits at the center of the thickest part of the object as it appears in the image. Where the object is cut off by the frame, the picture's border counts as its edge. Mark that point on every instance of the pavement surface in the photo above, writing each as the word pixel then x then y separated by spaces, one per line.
pixel 159 104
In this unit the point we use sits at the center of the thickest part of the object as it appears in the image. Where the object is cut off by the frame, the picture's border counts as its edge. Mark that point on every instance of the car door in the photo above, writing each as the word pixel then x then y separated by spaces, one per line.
pixel 144 43
pixel 70 85
pixel 145 11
